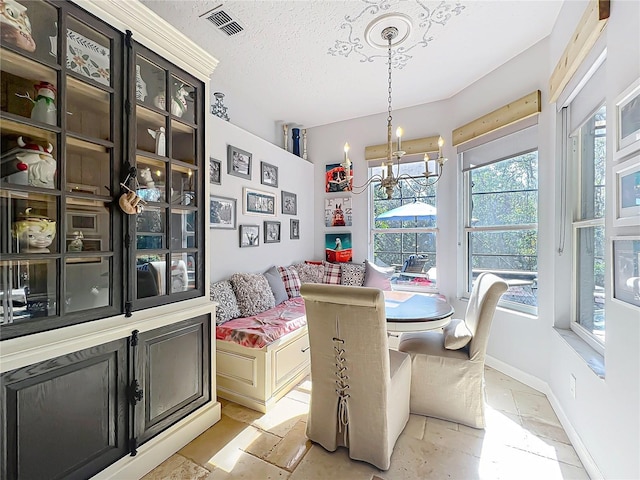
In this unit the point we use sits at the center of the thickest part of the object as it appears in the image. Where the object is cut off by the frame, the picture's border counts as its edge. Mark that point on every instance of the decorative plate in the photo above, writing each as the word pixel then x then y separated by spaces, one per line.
pixel 88 58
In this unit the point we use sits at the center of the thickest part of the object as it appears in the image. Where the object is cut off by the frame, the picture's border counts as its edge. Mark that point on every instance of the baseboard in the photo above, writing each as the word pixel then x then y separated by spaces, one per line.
pixel 543 387
pixel 161 447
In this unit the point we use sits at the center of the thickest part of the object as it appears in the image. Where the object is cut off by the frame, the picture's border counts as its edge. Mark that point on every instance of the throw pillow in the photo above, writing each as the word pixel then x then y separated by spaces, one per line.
pixel 313 262
pixel 277 287
pixel 252 293
pixel 352 274
pixel 377 277
pixel 456 335
pixel 331 273
pixel 291 281
pixel 309 273
pixel 227 308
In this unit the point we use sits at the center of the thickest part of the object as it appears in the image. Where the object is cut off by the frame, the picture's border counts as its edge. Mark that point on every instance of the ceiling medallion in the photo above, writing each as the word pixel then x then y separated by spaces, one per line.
pixel 428 18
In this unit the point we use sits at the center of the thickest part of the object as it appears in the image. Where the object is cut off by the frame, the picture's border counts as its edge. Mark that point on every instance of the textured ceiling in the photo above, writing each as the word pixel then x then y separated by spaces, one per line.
pixel 307 61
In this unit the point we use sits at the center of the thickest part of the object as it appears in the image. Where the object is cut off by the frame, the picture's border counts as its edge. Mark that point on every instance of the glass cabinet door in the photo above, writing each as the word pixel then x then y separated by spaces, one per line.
pixel 59 144
pixel 169 129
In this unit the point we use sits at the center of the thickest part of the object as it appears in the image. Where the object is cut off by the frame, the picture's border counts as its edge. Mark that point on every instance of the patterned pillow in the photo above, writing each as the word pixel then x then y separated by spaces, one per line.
pixel 253 293
pixel 331 273
pixel 291 281
pixel 352 274
pixel 309 273
pixel 227 308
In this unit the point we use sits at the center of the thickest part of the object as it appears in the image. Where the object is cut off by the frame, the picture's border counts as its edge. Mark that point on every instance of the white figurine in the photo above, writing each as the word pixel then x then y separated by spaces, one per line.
pixel 44 107
pixel 38 164
pixel 145 175
pixel 76 244
pixel 161 143
pixel 34 233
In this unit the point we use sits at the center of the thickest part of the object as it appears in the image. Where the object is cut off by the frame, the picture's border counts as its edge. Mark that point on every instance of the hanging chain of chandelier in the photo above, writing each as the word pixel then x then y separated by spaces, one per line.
pixel 388 178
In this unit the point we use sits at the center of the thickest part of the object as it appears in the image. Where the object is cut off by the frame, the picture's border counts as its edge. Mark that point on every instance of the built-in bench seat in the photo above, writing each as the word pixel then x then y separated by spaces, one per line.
pixel 260 358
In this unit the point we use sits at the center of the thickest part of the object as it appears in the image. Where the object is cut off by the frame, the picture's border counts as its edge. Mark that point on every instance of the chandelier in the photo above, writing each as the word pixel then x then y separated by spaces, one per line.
pixel 391 175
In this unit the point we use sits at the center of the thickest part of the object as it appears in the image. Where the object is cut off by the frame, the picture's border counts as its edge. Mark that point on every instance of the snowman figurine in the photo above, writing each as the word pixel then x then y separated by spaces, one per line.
pixel 44 107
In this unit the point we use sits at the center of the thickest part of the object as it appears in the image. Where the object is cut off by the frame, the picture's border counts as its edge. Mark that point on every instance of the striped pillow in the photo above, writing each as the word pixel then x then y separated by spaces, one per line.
pixel 291 281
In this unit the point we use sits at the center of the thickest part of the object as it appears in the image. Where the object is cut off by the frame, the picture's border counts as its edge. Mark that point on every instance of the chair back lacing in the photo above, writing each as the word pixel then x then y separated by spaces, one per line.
pixel 341 383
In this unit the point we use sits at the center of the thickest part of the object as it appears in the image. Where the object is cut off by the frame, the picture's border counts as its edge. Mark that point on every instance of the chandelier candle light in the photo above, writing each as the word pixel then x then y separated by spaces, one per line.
pixel 388 179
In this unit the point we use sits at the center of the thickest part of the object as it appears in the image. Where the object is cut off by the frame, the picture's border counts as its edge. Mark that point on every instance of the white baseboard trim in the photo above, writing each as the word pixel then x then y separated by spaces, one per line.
pixel 534 382
pixel 161 447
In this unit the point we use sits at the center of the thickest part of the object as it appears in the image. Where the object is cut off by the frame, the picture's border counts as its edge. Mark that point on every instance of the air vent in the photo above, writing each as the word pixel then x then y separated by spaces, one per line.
pixel 223 21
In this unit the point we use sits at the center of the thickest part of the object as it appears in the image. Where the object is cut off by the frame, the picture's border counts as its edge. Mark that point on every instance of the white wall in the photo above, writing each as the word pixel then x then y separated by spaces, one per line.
pixel 605 414
pixel 295 175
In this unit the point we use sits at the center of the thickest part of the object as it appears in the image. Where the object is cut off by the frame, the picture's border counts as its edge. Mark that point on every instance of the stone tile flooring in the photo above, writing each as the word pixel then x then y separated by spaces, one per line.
pixel 523 440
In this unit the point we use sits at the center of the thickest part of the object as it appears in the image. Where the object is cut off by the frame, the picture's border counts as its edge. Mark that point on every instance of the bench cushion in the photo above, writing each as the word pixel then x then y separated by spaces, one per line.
pixel 264 328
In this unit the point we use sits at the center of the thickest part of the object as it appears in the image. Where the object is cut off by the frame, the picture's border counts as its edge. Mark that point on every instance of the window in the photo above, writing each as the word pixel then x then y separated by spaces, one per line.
pixel 501 215
pixel 407 244
pixel 588 159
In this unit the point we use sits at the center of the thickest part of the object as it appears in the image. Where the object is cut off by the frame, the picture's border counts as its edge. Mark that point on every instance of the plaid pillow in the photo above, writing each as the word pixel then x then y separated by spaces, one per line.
pixel 331 273
pixel 291 281
pixel 352 274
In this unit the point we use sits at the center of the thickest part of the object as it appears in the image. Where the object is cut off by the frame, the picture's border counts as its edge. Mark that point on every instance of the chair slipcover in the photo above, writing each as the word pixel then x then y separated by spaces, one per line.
pixel 449 384
pixel 360 388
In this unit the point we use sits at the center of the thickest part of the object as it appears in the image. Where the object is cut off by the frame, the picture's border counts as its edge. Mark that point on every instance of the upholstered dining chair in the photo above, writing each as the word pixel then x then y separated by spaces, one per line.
pixel 360 388
pixel 447 379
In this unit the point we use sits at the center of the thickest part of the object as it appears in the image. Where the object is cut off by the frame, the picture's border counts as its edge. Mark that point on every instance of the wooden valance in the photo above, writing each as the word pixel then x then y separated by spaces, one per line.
pixel 513 112
pixel 418 146
pixel 584 37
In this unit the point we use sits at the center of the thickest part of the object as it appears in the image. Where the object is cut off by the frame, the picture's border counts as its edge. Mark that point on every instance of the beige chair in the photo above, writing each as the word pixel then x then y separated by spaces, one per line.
pixel 360 388
pixel 447 379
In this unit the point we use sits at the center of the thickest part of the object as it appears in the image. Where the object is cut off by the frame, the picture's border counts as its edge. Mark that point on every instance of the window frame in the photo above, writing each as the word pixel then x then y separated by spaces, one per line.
pixel 467 229
pixel 416 230
pixel 578 222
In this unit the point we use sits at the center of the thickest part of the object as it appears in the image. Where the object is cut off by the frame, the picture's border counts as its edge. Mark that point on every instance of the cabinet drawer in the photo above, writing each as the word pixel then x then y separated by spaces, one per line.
pixel 290 359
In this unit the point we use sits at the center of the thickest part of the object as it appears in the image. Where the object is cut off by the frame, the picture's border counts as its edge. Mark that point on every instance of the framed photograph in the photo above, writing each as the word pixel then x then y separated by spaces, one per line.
pixel 268 174
pixel 215 171
pixel 338 247
pixel 257 202
pixel 626 184
pixel 82 222
pixel 249 236
pixel 271 232
pixel 628 121
pixel 336 178
pixel 626 269
pixel 238 162
pixel 222 212
pixel 289 203
pixel 294 229
pixel 337 212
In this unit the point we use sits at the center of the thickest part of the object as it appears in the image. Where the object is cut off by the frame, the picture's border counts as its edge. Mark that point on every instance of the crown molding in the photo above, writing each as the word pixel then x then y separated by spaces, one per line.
pixel 153 32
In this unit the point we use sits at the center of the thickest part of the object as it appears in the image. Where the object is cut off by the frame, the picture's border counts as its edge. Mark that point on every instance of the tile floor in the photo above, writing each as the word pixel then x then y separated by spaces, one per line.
pixel 523 440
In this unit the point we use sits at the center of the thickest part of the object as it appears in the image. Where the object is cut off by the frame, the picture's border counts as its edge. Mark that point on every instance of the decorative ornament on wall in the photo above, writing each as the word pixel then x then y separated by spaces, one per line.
pixel 218 108
pixel 428 18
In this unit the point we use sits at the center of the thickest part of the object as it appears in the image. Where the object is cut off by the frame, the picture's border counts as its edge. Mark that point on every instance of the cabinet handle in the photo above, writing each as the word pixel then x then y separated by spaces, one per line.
pixel 305 349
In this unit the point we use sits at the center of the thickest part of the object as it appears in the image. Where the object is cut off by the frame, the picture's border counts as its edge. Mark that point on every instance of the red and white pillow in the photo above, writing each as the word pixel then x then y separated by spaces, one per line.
pixel 291 281
pixel 332 274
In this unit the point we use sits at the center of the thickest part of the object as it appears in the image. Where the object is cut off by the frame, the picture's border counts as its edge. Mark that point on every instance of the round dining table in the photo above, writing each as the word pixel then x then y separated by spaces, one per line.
pixel 415 311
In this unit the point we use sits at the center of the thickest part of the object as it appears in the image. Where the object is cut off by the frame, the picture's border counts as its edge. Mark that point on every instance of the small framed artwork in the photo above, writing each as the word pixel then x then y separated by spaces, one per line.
pixel 257 202
pixel 268 174
pixel 294 229
pixel 336 178
pixel 628 121
pixel 238 162
pixel 626 269
pixel 222 212
pixel 289 203
pixel 271 232
pixel 627 192
pixel 215 171
pixel 338 247
pixel 82 222
pixel 338 212
pixel 249 236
